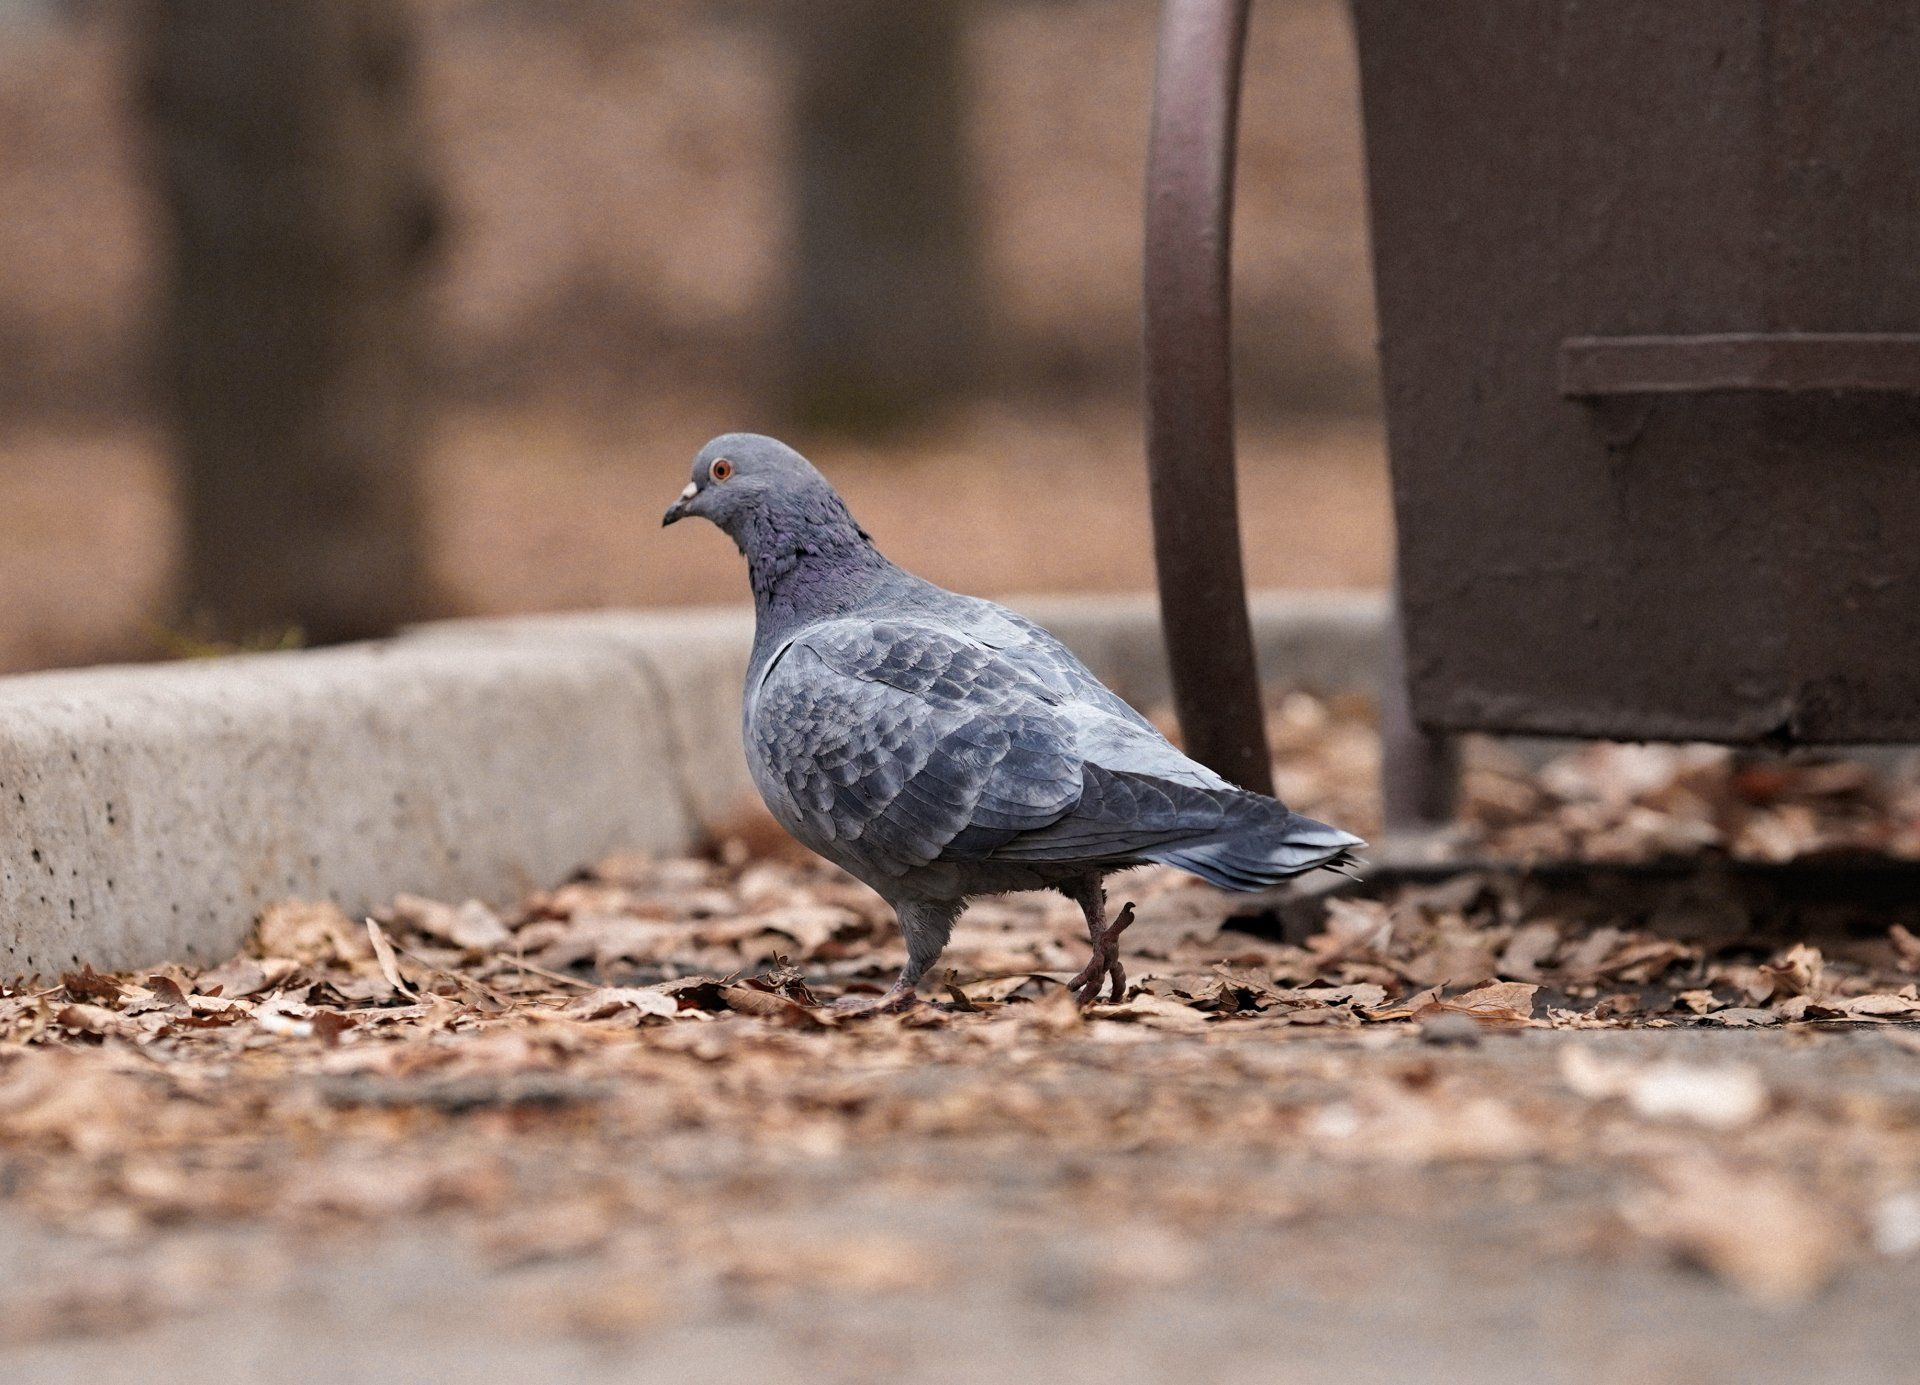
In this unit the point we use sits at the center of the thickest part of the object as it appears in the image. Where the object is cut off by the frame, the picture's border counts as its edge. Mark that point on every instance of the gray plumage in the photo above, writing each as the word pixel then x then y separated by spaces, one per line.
pixel 938 746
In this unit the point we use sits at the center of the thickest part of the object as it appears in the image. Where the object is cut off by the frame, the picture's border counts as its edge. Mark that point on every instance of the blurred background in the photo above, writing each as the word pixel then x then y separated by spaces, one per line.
pixel 325 315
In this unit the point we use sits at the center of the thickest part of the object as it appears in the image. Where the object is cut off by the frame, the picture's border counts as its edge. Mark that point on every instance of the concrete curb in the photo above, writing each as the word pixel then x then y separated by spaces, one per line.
pixel 150 812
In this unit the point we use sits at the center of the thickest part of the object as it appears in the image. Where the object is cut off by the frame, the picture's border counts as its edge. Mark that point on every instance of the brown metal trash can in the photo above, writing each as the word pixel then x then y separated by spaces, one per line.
pixel 1649 291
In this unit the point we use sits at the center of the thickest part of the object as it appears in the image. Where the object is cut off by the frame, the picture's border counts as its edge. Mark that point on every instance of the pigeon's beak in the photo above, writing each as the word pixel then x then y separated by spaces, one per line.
pixel 678 510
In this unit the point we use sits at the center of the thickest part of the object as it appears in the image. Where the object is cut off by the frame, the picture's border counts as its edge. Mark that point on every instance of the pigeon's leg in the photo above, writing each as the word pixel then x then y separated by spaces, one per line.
pixel 926 925
pixel 1091 896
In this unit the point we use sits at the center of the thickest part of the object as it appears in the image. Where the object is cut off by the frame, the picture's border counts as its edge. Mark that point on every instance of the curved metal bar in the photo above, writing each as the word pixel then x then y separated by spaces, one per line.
pixel 1196 519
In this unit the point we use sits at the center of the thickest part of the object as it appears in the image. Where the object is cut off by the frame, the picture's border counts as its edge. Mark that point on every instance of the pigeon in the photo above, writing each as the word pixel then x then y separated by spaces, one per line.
pixel 939 746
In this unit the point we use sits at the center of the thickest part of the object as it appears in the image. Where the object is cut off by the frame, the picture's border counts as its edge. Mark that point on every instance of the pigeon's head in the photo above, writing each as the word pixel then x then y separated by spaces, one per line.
pixel 739 478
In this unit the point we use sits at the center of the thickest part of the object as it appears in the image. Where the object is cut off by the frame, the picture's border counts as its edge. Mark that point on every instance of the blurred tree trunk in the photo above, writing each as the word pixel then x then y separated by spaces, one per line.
pixel 291 171
pixel 885 314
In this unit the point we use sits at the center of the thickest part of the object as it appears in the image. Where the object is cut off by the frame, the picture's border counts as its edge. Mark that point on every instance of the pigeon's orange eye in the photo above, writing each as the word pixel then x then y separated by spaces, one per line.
pixel 721 469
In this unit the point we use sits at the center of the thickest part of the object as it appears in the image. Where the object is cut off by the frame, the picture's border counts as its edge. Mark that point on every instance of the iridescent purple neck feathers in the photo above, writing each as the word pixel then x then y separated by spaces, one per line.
pixel 807 559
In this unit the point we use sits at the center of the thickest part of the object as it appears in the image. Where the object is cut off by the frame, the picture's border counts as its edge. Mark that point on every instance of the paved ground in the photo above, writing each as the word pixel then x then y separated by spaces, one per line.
pixel 907 1259
pixel 1489 1127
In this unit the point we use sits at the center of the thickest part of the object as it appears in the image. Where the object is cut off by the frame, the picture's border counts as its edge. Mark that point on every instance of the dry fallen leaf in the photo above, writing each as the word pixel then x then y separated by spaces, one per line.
pixel 1800 972
pixel 389 964
pixel 1906 946
pixel 1882 1006
pixel 1755 1230
pixel 78 1100
pixel 243 976
pixel 1497 1002
pixel 638 1003
pixel 1528 950
pixel 472 926
pixel 1354 928
pixel 313 934
pixel 749 1000
pixel 1155 1012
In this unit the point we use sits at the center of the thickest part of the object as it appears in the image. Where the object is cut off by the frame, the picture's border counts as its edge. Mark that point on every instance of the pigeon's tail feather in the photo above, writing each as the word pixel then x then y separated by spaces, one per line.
pixel 1258 856
pixel 1232 838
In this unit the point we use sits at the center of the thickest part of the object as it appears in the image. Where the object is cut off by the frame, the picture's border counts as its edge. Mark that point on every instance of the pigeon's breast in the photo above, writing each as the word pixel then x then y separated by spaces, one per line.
pixel 784 736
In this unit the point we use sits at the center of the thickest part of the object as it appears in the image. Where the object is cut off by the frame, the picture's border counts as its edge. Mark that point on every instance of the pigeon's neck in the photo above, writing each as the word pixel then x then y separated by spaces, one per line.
pixel 807 561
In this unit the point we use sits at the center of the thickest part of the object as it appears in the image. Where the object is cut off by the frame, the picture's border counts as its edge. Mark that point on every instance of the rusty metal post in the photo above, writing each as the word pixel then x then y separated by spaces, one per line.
pixel 1189 386
pixel 1419 770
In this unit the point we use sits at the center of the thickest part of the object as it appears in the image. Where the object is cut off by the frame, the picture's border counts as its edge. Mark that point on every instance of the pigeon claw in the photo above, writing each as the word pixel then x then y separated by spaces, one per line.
pixel 1104 966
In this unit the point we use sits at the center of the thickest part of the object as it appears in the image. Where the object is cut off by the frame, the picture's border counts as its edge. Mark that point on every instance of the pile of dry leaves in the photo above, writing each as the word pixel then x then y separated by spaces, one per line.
pixel 1615 801
pixel 324 1073
pixel 572 1076
pixel 640 941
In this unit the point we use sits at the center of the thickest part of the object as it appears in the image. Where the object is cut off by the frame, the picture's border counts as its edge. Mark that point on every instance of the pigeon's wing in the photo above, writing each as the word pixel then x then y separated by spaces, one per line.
pixel 1141 798
pixel 1107 731
pixel 896 743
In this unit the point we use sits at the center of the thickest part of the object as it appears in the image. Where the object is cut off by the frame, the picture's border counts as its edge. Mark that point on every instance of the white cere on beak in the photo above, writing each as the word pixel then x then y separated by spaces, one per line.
pixel 691 490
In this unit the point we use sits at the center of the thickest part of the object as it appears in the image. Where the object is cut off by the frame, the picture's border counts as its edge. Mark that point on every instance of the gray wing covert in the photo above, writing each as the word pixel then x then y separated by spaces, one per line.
pixel 1107 731
pixel 895 743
